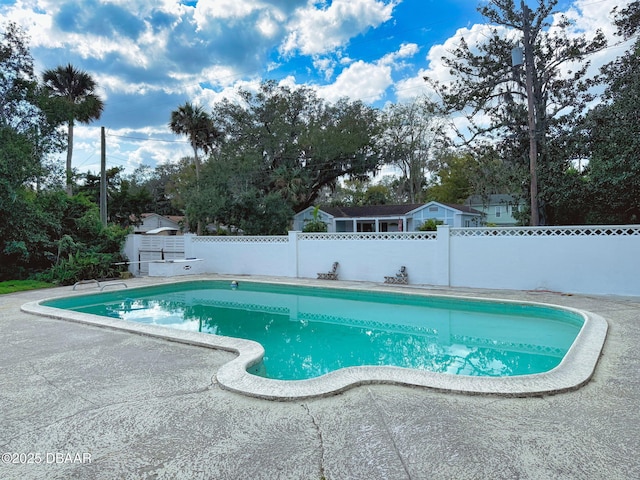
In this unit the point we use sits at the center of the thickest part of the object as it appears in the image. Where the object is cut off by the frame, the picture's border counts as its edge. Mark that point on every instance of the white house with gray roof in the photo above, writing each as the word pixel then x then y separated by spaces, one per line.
pixel 498 209
pixel 389 218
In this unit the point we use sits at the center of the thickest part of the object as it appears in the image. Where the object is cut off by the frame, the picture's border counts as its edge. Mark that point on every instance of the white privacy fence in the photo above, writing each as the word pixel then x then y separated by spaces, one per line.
pixel 143 249
pixel 596 259
pixel 569 259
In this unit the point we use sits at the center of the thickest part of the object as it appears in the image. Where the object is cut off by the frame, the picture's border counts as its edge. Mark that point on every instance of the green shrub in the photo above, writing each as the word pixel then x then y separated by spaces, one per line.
pixel 431 225
pixel 86 249
pixel 315 224
pixel 83 266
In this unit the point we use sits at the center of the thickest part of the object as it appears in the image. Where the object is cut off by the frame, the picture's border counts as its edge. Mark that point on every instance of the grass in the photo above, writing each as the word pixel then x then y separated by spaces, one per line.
pixel 11 286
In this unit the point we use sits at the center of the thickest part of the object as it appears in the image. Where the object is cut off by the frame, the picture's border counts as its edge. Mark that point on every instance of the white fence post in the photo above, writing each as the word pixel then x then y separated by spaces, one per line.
pixel 130 250
pixel 442 258
pixel 292 267
pixel 188 245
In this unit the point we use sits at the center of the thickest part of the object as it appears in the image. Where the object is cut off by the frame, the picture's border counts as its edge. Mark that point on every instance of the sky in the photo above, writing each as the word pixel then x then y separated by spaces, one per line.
pixel 151 56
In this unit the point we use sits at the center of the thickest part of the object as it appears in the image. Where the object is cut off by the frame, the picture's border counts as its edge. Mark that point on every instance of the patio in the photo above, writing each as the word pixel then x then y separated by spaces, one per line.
pixel 147 408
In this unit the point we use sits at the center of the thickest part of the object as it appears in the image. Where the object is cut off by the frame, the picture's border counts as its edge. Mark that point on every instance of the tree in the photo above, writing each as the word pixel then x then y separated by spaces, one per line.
pixel 192 121
pixel 43 231
pixel 351 192
pixel 377 195
pixel 125 204
pixel 628 19
pixel 282 147
pixel 411 133
pixel 72 244
pixel 26 138
pixel 495 97
pixel 18 84
pixel 612 135
pixel 19 115
pixel 198 126
pixel 454 179
pixel 74 91
pixel 160 183
pixel 23 109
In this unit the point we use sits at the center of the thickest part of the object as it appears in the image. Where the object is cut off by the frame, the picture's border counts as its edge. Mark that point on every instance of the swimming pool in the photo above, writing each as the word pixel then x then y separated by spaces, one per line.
pixel 306 341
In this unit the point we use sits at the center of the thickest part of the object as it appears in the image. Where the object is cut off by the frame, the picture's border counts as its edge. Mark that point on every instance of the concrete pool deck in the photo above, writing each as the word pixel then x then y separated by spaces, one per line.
pixel 80 401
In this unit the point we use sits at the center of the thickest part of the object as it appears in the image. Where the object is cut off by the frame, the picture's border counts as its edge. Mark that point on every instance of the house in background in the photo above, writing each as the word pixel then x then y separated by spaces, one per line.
pixel 497 209
pixel 389 218
pixel 154 224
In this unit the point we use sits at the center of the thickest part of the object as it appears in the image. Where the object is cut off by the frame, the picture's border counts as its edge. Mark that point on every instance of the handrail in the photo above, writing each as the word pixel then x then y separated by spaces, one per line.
pixel 113 284
pixel 84 282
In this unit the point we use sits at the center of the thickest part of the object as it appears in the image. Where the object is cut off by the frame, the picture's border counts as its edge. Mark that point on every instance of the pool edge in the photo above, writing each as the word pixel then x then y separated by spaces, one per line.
pixel 575 370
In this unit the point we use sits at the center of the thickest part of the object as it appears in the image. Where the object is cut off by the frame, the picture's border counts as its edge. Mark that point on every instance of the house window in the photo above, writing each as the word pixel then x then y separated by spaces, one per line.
pixel 498 212
pixel 366 226
pixel 433 209
pixel 344 226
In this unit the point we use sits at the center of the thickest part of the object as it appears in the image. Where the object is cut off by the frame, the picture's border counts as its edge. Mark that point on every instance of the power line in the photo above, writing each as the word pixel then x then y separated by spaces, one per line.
pixel 147 139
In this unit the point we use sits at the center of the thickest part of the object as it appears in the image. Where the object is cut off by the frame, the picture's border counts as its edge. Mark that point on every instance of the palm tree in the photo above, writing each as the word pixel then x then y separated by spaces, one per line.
pixel 192 121
pixel 78 102
pixel 197 125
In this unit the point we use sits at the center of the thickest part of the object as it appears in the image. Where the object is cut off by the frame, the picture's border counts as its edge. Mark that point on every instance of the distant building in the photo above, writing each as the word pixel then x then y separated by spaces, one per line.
pixel 390 218
pixel 154 224
pixel 498 209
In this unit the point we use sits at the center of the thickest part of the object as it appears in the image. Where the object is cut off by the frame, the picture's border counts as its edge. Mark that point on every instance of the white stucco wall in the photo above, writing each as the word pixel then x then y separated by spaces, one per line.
pixel 369 256
pixel 590 260
pixel 569 262
pixel 268 255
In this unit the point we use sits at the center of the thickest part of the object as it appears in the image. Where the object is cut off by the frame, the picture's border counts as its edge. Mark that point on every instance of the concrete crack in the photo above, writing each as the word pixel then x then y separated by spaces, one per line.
pixel 207 387
pixel 42 427
pixel 59 388
pixel 388 430
pixel 94 407
pixel 319 431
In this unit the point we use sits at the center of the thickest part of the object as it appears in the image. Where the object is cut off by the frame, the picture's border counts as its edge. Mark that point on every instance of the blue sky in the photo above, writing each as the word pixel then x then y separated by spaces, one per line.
pixel 150 56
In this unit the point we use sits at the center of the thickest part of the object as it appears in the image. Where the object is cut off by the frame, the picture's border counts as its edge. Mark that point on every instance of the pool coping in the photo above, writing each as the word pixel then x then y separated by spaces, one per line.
pixel 574 371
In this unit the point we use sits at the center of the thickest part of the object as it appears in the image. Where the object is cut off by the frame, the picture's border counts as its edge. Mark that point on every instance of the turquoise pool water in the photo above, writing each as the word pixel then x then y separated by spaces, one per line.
pixel 309 331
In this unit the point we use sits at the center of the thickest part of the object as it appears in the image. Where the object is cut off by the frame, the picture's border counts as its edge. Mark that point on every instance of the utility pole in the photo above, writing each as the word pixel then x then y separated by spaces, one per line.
pixel 103 178
pixel 533 136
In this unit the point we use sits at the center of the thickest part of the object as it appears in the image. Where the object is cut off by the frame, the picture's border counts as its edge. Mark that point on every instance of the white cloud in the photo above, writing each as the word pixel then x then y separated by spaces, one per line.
pixel 320 29
pixel 269 23
pixel 590 15
pixel 406 50
pixel 368 81
pixel 325 66
pixel 269 19
pixel 364 81
pixel 206 10
pixel 409 88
